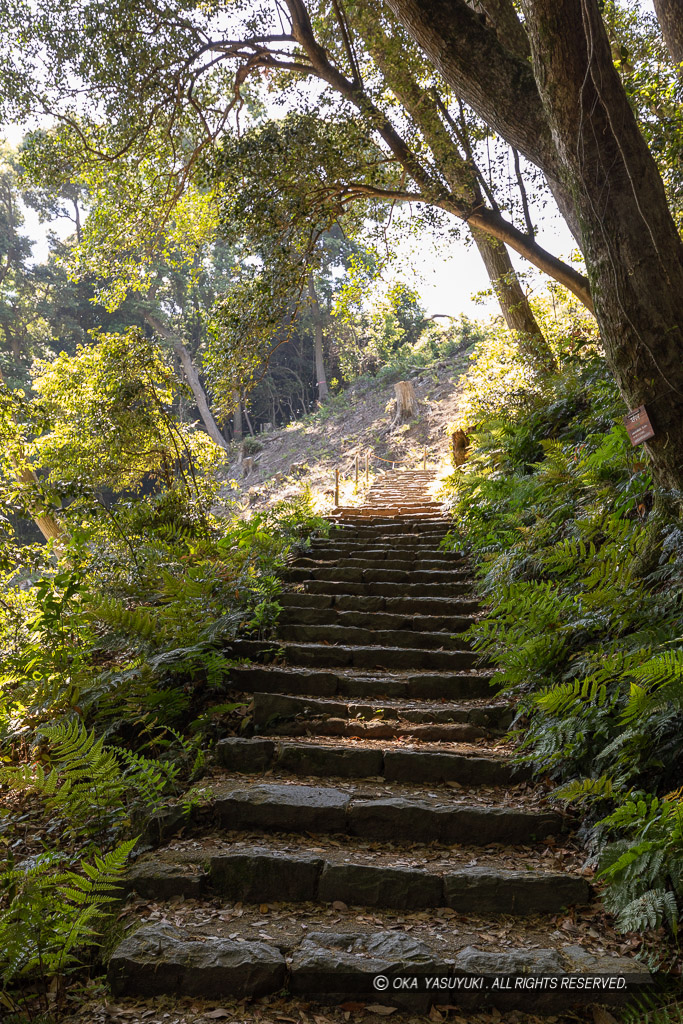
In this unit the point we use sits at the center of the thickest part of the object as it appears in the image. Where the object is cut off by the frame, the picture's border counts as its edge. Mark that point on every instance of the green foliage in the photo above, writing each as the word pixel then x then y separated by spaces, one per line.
pixel 553 504
pixel 90 787
pixel 53 914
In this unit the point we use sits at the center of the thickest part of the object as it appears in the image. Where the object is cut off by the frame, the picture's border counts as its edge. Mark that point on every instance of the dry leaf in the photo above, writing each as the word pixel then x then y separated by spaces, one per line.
pixel 601 1016
pixel 263 909
pixel 353 1007
pixel 339 905
pixel 434 1014
pixel 217 1014
pixel 383 1011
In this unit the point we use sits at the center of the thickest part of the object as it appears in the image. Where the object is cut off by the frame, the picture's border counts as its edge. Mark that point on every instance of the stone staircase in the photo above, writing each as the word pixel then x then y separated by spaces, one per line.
pixel 372 826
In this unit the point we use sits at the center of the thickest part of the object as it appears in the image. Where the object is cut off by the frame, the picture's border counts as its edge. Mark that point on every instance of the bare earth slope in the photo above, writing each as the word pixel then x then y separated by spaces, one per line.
pixel 353 422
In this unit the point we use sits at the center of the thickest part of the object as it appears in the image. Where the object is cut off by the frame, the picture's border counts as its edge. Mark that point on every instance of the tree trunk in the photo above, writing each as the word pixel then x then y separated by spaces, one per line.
pixel 670 17
pixel 569 114
pixel 237 431
pixel 50 527
pixel 191 376
pixel 461 175
pixel 633 251
pixel 513 302
pixel 318 329
pixel 497 83
pixel 406 402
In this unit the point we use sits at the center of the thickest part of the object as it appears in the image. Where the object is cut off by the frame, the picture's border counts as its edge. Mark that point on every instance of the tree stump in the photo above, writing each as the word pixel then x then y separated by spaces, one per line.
pixel 461 443
pixel 406 402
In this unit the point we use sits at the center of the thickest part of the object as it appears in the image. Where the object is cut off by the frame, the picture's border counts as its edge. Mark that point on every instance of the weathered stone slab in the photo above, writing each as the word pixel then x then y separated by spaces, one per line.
pixel 344 762
pixel 482 825
pixel 259 875
pixel 425 766
pixel 160 959
pixel 392 817
pixel 240 754
pixel 376 886
pixel 485 890
pixel 158 880
pixel 284 808
pixel 269 707
pixel 451 686
pixel 334 966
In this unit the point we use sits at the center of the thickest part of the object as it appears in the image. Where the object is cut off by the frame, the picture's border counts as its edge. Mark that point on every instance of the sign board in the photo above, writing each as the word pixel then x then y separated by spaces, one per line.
pixel 637 423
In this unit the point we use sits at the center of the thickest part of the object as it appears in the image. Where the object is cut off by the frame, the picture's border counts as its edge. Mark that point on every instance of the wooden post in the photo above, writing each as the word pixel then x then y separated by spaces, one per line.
pixel 367 478
pixel 357 462
pixel 424 458
pixel 336 488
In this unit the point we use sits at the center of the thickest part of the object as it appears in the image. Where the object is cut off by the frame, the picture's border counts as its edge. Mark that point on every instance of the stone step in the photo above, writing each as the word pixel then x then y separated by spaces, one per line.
pixel 395 763
pixel 411 552
pixel 442 607
pixel 268 706
pixel 324 809
pixel 386 511
pixel 369 537
pixel 260 874
pixel 379 575
pixel 288 715
pixel 302 615
pixel 336 655
pixel 375 589
pixel 348 635
pixel 317 682
pixel 319 560
pixel 331 966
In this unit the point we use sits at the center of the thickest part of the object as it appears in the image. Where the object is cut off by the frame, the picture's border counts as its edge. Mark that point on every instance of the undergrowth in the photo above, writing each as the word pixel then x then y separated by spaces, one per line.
pixel 115 659
pixel 555 505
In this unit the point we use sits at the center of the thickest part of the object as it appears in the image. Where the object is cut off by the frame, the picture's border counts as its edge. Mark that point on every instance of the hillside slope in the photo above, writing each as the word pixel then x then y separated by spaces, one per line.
pixel 349 424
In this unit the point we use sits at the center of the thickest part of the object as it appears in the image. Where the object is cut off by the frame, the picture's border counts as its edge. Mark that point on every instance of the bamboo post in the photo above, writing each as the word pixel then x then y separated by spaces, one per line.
pixel 336 487
pixel 357 462
pixel 367 478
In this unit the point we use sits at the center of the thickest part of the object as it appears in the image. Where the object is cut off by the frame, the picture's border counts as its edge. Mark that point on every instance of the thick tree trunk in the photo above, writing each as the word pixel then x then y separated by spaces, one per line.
pixel 633 251
pixel 406 402
pixel 492 79
pixel 318 342
pixel 670 17
pixel 502 17
pixel 569 114
pixel 191 376
pixel 513 302
pixel 461 175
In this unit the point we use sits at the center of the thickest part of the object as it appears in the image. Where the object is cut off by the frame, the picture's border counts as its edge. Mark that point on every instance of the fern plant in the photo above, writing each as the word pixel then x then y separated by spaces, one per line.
pixel 53 915
pixel 89 785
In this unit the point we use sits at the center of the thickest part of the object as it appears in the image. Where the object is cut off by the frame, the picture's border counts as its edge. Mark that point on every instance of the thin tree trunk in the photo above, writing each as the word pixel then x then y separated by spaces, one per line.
pixel 461 175
pixel 237 431
pixel 670 17
pixel 246 416
pixel 513 302
pixel 318 343
pixel 50 527
pixel 191 376
pixel 431 188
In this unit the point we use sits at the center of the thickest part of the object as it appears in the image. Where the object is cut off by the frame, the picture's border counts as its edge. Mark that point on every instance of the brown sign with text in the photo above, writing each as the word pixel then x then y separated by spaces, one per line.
pixel 637 423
